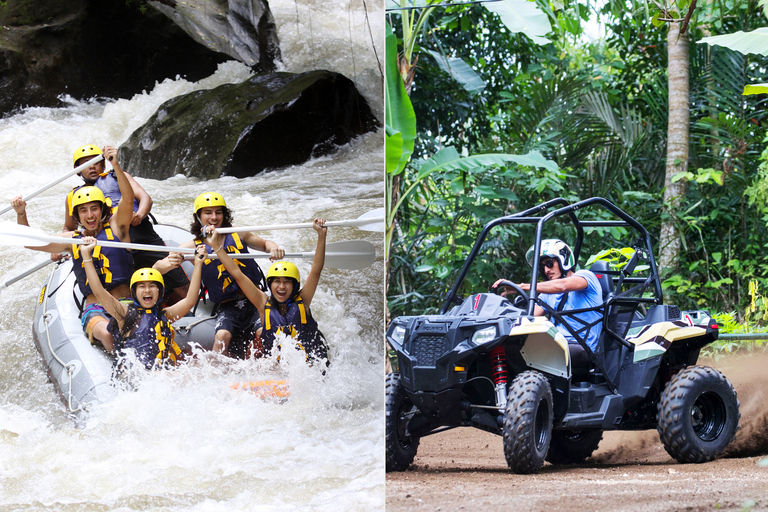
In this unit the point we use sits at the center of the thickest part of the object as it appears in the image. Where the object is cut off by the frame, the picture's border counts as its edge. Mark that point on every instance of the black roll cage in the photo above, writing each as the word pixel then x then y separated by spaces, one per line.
pixel 538 215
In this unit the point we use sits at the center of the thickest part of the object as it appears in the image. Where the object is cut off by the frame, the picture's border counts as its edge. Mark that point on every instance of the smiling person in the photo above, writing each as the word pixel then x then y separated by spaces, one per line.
pixel 237 319
pixel 143 326
pixel 113 265
pixel 287 310
pixel 141 229
pixel 566 289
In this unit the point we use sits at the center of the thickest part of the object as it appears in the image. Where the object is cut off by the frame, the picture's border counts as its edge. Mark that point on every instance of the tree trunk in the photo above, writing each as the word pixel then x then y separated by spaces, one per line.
pixel 677 147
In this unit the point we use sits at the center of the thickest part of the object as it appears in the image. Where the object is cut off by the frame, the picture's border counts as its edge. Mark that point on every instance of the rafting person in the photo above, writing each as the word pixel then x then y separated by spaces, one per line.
pixel 143 325
pixel 287 310
pixel 114 265
pixel 237 319
pixel 141 229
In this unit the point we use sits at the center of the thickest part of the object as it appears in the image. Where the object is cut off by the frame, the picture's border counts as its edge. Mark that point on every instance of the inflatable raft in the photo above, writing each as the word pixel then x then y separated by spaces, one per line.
pixel 80 371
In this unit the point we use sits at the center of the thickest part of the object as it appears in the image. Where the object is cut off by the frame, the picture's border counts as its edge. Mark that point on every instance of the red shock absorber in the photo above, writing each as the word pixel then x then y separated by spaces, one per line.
pixel 499 370
pixel 499 365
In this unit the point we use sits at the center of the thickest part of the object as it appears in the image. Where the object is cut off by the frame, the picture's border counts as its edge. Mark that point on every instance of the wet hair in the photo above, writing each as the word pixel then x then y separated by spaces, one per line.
pixel 196 227
pixel 106 213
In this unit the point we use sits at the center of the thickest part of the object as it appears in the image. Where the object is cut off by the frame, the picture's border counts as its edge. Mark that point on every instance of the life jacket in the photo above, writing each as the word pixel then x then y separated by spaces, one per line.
pixel 107 183
pixel 152 339
pixel 113 264
pixel 220 284
pixel 296 323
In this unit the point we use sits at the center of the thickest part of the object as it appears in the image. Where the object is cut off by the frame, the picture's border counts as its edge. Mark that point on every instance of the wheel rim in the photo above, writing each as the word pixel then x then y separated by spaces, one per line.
pixel 540 425
pixel 708 416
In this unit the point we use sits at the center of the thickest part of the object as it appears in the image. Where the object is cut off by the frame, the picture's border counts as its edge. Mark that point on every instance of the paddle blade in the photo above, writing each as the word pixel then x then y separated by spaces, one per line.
pixel 265 388
pixel 372 221
pixel 18 235
pixel 351 255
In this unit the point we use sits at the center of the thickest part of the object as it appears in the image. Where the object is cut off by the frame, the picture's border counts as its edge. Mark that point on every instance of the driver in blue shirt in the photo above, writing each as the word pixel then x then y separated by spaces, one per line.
pixel 583 290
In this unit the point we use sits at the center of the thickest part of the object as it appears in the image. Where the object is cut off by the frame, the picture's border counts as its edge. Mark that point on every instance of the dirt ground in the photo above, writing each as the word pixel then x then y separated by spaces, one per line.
pixel 464 468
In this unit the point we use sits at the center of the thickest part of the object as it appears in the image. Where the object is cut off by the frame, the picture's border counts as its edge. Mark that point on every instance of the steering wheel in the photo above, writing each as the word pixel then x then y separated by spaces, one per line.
pixel 521 299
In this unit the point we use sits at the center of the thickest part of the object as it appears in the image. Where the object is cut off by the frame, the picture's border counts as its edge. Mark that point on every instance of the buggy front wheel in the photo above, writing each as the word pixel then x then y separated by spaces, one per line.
pixel 400 445
pixel 527 426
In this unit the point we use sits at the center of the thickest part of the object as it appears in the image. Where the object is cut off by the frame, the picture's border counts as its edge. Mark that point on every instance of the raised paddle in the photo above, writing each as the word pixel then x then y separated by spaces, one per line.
pixel 16 234
pixel 352 255
pixel 74 171
pixel 371 221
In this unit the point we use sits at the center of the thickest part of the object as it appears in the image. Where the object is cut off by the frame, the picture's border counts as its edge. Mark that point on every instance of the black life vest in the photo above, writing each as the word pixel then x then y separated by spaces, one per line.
pixel 113 264
pixel 220 284
pixel 296 323
pixel 152 339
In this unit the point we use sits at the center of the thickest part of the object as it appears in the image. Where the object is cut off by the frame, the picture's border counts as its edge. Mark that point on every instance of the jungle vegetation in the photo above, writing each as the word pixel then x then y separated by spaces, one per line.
pixel 484 120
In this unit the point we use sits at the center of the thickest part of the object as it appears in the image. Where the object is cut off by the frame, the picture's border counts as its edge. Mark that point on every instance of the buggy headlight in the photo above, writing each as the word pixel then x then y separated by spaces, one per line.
pixel 398 334
pixel 484 335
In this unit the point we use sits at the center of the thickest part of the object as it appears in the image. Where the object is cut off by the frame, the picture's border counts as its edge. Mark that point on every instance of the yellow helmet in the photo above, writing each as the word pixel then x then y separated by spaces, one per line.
pixel 147 274
pixel 86 195
pixel 283 269
pixel 208 199
pixel 87 150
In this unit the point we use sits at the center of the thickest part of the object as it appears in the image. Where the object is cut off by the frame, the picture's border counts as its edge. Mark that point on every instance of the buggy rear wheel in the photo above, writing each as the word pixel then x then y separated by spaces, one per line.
pixel 400 446
pixel 698 414
pixel 527 426
pixel 573 446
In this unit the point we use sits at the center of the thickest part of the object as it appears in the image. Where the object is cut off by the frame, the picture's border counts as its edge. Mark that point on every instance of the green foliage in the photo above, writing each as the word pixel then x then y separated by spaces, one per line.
pixel 599 112
pixel 755 321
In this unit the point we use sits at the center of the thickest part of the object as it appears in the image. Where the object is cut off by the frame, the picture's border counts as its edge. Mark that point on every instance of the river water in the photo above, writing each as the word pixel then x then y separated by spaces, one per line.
pixel 185 440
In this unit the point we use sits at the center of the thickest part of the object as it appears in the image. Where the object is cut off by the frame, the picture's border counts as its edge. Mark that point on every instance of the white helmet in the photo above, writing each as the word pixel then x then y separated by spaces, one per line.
pixel 553 248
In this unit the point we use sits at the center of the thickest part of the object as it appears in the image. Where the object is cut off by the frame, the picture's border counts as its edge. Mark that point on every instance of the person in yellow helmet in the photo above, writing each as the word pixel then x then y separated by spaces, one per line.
pixel 114 265
pixel 141 229
pixel 287 310
pixel 144 326
pixel 237 321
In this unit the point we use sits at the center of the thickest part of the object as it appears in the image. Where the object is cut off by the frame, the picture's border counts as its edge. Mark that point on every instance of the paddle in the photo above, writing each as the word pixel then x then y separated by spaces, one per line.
pixel 74 171
pixel 16 234
pixel 351 255
pixel 371 221
pixel 27 272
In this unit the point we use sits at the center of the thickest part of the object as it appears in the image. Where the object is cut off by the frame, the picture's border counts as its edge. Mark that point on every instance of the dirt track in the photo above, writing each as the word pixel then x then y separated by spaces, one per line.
pixel 464 469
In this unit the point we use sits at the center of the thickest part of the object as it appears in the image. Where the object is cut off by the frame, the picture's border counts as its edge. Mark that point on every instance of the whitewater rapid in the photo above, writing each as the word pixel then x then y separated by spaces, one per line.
pixel 186 440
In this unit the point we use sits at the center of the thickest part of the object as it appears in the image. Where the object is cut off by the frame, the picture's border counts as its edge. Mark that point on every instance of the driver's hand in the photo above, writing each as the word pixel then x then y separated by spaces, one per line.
pixel 498 283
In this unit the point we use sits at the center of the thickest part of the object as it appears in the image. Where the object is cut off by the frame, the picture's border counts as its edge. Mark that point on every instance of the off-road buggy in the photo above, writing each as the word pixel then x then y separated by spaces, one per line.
pixel 488 362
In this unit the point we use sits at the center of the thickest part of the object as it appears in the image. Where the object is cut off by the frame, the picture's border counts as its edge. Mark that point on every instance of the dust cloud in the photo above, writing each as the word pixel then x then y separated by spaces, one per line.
pixel 749 375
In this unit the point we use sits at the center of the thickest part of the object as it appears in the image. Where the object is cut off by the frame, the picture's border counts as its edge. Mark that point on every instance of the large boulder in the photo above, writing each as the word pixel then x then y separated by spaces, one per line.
pixel 243 29
pixel 270 121
pixel 95 48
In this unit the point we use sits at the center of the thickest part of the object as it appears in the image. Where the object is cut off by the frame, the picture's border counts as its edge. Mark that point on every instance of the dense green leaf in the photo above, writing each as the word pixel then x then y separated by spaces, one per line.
pixel 460 71
pixel 400 117
pixel 755 41
pixel 522 16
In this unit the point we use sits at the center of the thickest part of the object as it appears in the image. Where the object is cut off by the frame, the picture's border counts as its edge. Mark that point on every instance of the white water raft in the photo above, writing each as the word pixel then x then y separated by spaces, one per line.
pixel 80 371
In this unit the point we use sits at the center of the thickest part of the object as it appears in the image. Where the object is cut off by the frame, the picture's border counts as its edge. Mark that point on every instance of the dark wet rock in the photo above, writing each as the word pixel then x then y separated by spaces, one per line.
pixel 243 29
pixel 270 121
pixel 97 48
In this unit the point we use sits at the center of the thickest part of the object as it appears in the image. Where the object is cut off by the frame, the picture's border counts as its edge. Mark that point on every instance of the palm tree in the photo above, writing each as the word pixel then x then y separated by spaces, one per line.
pixel 677 144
